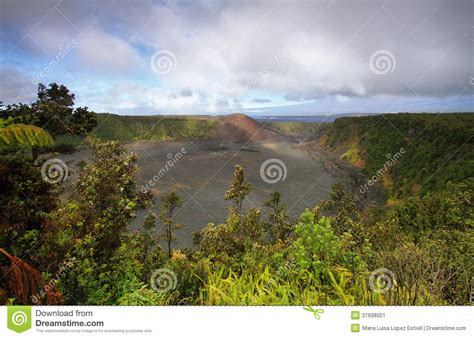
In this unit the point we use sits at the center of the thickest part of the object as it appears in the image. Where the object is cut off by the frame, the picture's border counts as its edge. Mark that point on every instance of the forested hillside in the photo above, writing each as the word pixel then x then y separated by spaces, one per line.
pixel 297 130
pixel 438 148
pixel 233 127
pixel 133 128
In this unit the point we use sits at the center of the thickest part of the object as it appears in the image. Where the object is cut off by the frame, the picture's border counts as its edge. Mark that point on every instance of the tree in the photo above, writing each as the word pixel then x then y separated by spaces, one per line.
pixel 238 190
pixel 26 202
pixel 104 200
pixel 82 121
pixel 277 226
pixel 230 240
pixel 169 203
pixel 341 207
pixel 239 233
pixel 55 93
pixel 26 198
pixel 318 249
pixel 91 228
pixel 151 252
pixel 345 217
pixel 53 111
pixel 18 113
pixel 54 108
pixel 441 223
pixel 107 192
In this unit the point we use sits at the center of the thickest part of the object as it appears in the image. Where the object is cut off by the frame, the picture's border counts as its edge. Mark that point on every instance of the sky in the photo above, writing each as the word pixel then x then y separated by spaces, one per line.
pixel 265 57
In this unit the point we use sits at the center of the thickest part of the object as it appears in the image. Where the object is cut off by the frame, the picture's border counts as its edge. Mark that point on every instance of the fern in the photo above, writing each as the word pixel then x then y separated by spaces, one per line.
pixel 24 282
pixel 19 135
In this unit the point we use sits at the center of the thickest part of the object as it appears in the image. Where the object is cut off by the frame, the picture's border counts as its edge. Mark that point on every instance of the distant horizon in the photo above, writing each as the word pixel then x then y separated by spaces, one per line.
pixel 292 115
pixel 372 106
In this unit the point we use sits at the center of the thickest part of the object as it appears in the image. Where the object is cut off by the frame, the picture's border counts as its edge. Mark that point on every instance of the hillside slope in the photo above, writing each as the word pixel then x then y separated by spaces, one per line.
pixel 241 128
pixel 134 128
pixel 235 128
pixel 437 149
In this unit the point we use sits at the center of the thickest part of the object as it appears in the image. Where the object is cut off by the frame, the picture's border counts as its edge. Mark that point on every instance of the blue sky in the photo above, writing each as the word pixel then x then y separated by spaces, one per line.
pixel 257 57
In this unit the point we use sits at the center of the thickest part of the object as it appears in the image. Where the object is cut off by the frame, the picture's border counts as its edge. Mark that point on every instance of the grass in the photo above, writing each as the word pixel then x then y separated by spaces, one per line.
pixel 226 287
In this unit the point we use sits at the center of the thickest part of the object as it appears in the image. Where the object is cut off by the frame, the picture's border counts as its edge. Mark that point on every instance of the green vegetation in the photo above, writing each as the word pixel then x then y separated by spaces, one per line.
pixel 418 252
pixel 18 135
pixel 134 128
pixel 51 115
pixel 299 129
pixel 438 148
pixel 169 204
pixel 327 257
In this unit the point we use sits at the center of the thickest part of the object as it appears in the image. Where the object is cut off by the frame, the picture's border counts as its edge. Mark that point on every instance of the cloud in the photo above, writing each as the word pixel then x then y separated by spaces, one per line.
pixel 106 52
pixel 299 48
pixel 257 100
pixel 15 86
pixel 143 100
pixel 228 53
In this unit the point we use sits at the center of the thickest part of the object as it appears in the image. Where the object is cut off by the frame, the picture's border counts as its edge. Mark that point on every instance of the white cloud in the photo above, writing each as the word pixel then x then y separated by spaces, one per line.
pixel 103 51
pixel 299 47
pixel 231 52
pixel 144 100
